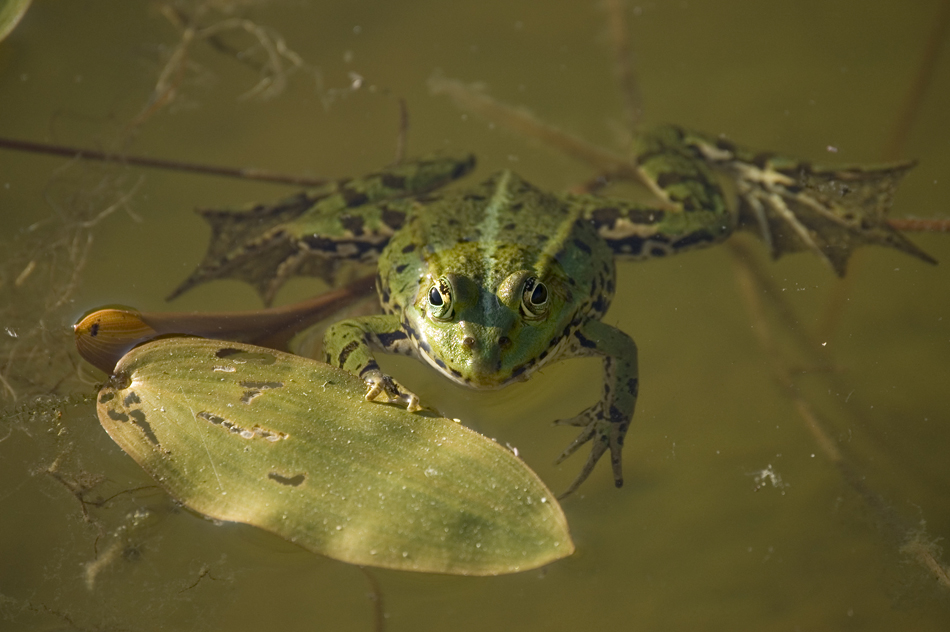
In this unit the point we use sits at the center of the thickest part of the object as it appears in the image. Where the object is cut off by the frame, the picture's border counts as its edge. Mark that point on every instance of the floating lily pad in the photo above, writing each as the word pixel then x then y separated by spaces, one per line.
pixel 247 434
pixel 11 11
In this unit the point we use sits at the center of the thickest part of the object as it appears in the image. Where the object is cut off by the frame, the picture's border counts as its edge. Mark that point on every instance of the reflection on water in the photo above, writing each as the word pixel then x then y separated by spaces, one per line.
pixel 699 536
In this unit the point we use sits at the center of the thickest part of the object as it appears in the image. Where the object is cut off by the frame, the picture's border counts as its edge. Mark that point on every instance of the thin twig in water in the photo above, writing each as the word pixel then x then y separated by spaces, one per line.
pixel 402 137
pixel 246 173
pixel 376 596
pixel 932 225
pixel 914 97
pixel 624 63
pixel 522 122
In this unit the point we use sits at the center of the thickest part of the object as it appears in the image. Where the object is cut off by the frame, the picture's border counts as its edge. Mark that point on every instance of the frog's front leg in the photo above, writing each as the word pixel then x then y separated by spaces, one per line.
pixel 605 423
pixel 348 344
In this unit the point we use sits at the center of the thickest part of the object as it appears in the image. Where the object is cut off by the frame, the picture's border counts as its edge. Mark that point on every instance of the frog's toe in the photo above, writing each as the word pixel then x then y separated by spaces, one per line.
pixel 412 402
pixel 586 435
pixel 383 388
pixel 586 418
pixel 373 390
pixel 596 451
pixel 603 436
pixel 579 420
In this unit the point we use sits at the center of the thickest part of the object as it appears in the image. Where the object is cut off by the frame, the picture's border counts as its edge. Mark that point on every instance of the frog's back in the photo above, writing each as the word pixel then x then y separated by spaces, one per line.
pixel 504 209
pixel 514 224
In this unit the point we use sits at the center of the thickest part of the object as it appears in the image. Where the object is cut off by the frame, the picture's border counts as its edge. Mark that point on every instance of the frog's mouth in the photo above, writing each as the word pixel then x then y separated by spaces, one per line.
pixel 472 377
pixel 481 375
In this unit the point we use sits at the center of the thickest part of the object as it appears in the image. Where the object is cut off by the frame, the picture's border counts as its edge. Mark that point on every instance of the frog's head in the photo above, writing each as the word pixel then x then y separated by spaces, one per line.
pixel 485 335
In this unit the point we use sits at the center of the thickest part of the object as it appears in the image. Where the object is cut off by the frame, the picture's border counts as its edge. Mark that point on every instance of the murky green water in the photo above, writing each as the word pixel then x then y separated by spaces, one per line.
pixel 688 543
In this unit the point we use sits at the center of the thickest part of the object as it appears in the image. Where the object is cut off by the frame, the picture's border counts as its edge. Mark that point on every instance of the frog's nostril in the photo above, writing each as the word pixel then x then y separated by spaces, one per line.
pixel 504 342
pixel 468 342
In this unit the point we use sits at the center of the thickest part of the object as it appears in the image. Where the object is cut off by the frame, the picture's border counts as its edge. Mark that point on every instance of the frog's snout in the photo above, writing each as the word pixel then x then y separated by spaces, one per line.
pixel 482 348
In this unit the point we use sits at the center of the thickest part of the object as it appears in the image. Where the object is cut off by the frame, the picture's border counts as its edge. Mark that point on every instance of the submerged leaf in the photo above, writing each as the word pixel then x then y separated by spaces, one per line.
pixel 246 434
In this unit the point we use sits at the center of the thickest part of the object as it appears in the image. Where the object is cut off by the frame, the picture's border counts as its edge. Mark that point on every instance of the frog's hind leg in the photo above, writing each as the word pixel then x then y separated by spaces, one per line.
pixel 692 211
pixel 312 232
pixel 796 206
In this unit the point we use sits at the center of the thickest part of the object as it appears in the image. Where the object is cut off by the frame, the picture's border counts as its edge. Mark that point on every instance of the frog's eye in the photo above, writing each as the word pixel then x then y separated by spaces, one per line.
pixel 534 299
pixel 440 300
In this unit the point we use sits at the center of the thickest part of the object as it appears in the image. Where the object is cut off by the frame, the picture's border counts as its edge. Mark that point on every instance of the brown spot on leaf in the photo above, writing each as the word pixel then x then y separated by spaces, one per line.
pixel 293 481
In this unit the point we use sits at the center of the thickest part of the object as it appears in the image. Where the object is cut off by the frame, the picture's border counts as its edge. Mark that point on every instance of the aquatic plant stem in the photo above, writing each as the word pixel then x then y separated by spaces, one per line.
pixel 375 595
pixel 914 97
pixel 246 173
pixel 525 124
pixel 624 64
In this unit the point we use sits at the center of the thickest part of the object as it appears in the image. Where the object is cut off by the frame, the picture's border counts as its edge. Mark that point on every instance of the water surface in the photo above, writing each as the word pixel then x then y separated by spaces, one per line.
pixel 692 540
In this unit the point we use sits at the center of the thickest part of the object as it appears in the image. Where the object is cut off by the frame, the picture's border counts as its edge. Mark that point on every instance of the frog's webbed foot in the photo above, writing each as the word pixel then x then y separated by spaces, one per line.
pixel 796 206
pixel 604 434
pixel 383 388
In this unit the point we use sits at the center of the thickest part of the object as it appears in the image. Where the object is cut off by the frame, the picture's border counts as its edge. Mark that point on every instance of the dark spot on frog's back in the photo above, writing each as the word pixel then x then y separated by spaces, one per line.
pixel 393 219
pixel 633 386
pixel 464 167
pixel 352 223
pixel 407 249
pixel 353 197
pixel 606 216
pixel 510 226
pixel 600 304
pixel 693 239
pixel 761 160
pixel 392 181
pixel 669 178
pixel 725 145
pixel 582 245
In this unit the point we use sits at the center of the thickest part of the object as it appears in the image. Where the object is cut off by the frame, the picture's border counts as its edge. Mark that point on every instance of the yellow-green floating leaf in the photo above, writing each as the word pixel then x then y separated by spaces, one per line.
pixel 11 11
pixel 247 434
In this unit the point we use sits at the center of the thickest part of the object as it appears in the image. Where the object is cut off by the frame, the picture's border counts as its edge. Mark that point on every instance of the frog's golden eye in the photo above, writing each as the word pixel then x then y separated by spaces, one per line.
pixel 440 300
pixel 534 298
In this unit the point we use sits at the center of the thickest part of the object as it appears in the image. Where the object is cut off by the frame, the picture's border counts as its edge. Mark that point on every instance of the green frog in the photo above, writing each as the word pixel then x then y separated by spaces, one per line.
pixel 490 283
